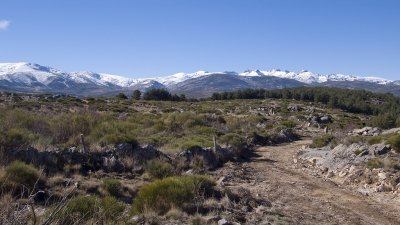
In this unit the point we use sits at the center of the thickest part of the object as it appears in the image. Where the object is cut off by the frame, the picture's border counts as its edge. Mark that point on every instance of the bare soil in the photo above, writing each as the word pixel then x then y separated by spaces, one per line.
pixel 299 198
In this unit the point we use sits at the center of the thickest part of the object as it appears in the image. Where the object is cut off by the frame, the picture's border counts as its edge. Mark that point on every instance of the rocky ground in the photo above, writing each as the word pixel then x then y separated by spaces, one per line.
pixel 297 196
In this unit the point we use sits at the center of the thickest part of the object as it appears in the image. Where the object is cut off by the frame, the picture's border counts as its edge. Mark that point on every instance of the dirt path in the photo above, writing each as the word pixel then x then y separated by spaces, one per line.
pixel 298 198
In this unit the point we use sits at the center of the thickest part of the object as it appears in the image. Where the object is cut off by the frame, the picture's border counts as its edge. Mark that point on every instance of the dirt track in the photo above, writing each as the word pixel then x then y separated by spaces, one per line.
pixel 298 198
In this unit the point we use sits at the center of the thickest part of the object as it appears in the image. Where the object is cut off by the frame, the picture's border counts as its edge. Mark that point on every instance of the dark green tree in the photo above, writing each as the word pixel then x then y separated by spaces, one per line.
pixel 122 96
pixel 136 95
pixel 158 95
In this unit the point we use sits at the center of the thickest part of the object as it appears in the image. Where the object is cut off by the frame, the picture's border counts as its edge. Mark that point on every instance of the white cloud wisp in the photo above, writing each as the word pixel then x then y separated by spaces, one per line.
pixel 4 24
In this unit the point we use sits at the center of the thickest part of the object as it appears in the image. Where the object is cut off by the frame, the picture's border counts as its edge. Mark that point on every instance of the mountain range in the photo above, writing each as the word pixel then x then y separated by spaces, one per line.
pixel 34 78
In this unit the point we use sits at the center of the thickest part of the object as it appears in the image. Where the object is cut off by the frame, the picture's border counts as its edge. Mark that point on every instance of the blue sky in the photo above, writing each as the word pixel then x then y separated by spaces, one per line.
pixel 161 37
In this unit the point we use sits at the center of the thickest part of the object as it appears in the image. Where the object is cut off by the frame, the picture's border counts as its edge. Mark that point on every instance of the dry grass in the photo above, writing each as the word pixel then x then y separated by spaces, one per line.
pixel 226 202
pixel 57 180
pixel 211 203
pixel 13 213
pixel 151 217
pixel 197 220
pixel 128 162
pixel 175 213
pixel 90 185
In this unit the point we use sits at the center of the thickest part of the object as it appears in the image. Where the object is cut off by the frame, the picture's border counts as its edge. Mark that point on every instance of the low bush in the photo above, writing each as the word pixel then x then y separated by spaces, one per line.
pixel 394 141
pixel 79 210
pixel 82 209
pixel 111 208
pixel 112 186
pixel 118 138
pixel 384 121
pixel 161 195
pixel 19 174
pixel 375 163
pixel 233 140
pixel 158 169
pixel 322 141
pixel 15 138
pixel 354 139
pixel 114 132
pixel 358 151
pixel 374 140
pixel 288 123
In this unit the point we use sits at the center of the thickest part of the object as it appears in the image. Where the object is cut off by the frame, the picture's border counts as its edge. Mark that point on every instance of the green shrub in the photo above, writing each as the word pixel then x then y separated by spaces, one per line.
pixel 118 138
pixel 288 123
pixel 162 195
pixel 374 140
pixel 394 141
pixel 80 208
pixel 190 141
pixel 358 151
pixel 113 132
pixel 111 208
pixel 375 163
pixel 15 138
pixel 21 174
pixel 233 140
pixel 112 186
pixel 354 139
pixel 384 121
pixel 158 169
pixel 321 141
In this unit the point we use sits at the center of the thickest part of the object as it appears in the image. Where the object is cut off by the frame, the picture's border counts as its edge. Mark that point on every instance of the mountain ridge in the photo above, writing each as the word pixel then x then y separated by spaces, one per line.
pixel 31 77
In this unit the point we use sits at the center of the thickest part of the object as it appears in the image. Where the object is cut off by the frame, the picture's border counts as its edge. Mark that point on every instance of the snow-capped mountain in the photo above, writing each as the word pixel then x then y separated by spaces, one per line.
pixel 310 77
pixel 29 77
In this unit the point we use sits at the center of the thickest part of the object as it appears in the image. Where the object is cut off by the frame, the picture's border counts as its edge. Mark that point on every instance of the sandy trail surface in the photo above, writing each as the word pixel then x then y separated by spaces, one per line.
pixel 299 198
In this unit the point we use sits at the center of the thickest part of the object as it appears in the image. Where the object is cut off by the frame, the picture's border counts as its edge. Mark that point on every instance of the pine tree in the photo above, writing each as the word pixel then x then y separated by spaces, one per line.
pixel 136 95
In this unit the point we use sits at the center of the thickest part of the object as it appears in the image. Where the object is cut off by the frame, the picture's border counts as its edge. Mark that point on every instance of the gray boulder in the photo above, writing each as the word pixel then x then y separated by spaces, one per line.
pixel 379 149
pixel 392 131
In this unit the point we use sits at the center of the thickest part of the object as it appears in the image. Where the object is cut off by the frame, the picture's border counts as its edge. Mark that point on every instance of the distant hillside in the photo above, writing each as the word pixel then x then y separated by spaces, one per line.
pixel 34 78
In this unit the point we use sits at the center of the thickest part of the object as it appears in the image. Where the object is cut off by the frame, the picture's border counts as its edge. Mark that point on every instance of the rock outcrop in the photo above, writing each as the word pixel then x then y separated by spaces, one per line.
pixel 113 160
pixel 361 165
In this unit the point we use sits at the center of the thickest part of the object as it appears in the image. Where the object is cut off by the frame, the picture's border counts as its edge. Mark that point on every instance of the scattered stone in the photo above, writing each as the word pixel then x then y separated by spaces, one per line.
pixel 363 153
pixel 294 108
pixel 383 187
pixel 138 219
pixel 330 174
pixel 189 172
pixel 325 119
pixel 364 192
pixel 382 176
pixel 223 221
pixel 211 219
pixel 220 181
pixel 379 149
pixel 343 173
pixel 391 131
pixel 367 131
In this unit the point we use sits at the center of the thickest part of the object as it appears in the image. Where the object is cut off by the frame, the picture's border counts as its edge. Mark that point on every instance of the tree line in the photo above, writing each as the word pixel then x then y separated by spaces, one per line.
pixel 155 95
pixel 355 101
pixel 386 107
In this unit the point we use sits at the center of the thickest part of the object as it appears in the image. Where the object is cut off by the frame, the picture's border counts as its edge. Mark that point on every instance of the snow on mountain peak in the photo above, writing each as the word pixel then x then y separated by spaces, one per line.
pixel 252 73
pixel 179 77
pixel 30 73
pixel 27 73
pixel 309 77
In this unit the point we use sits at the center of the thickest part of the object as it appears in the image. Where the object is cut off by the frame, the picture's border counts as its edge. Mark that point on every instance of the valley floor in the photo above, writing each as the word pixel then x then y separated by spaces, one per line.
pixel 299 198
